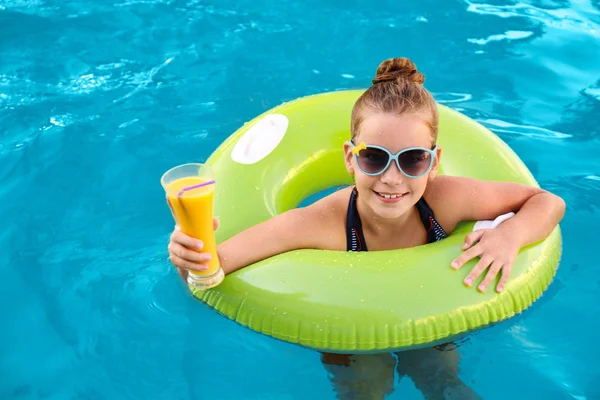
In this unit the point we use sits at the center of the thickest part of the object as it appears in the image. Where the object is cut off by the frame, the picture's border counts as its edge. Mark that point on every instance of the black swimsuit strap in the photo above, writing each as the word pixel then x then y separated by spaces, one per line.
pixel 355 241
pixel 435 232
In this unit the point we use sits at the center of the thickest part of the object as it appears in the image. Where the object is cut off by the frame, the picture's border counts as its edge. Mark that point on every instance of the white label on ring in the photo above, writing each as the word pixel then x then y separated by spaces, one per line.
pixel 489 224
pixel 260 140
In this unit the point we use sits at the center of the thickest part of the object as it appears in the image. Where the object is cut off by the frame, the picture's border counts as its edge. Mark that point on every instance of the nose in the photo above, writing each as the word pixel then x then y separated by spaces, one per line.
pixel 392 176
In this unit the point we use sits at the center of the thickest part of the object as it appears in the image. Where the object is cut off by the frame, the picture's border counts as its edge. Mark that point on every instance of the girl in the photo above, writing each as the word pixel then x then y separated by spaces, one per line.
pixel 393 157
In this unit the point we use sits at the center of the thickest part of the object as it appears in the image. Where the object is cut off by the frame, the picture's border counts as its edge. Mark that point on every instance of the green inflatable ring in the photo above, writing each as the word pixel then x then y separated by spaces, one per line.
pixel 357 302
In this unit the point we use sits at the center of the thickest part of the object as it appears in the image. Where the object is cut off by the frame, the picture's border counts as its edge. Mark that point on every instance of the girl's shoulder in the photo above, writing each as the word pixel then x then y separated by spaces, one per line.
pixel 334 206
pixel 328 215
pixel 447 197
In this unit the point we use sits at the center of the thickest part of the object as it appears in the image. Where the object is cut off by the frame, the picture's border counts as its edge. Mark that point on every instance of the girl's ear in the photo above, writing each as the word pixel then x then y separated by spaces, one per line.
pixel 348 158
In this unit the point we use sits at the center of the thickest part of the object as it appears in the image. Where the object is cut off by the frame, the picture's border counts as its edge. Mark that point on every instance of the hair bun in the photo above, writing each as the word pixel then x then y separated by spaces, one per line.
pixel 397 70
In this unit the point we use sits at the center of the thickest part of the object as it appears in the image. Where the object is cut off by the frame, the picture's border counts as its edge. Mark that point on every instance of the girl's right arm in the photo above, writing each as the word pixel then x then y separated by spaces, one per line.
pixel 318 226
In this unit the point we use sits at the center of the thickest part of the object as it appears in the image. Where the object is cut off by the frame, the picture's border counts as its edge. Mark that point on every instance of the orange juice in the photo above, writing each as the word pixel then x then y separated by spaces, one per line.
pixel 192 209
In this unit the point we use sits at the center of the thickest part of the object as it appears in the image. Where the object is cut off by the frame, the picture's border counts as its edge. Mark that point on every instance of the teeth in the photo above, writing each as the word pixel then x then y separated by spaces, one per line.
pixel 390 196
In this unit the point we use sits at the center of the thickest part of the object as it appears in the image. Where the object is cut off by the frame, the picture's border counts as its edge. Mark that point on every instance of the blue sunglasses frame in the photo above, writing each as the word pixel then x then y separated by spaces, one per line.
pixel 362 146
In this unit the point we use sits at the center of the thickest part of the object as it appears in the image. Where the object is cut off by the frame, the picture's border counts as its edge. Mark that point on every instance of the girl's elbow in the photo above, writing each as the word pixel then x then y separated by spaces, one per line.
pixel 559 204
pixel 562 205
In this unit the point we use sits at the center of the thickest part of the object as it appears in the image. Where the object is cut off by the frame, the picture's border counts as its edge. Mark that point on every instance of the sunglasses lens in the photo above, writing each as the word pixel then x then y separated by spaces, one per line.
pixel 415 162
pixel 372 161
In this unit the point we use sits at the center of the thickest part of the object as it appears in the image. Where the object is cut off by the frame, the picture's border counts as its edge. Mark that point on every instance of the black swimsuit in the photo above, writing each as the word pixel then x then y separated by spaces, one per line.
pixel 355 240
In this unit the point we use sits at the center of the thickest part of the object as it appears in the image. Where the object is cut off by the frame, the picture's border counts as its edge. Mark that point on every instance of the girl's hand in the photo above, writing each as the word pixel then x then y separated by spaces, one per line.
pixel 184 251
pixel 497 250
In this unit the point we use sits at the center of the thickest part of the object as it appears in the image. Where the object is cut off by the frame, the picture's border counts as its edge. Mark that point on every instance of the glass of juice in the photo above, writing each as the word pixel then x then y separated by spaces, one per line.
pixel 190 192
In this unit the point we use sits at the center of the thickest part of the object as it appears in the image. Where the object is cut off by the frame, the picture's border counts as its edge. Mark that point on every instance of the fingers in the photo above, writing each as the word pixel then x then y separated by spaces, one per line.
pixel 187 254
pixel 504 278
pixel 481 266
pixel 182 239
pixel 216 223
pixel 472 238
pixel 183 251
pixel 184 264
pixel 491 275
pixel 495 252
pixel 465 257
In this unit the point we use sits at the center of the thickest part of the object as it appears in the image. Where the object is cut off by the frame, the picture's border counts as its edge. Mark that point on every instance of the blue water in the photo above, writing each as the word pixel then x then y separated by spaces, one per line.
pixel 99 98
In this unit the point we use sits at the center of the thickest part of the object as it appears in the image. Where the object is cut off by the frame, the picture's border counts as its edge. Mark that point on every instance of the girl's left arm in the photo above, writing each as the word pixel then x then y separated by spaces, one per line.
pixel 538 212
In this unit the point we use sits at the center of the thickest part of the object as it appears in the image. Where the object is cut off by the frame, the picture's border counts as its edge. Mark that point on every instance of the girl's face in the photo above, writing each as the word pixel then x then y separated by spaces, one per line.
pixel 391 194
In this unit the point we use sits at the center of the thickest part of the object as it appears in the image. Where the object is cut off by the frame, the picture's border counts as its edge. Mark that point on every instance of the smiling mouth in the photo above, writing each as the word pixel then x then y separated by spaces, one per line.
pixel 391 195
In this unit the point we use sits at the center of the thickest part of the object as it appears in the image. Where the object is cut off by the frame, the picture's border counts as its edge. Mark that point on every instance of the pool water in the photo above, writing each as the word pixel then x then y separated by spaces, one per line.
pixel 99 98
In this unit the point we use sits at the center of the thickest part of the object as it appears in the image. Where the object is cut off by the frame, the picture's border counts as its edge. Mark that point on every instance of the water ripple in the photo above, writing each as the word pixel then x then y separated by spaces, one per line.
pixel 568 19
pixel 543 358
pixel 111 66
pixel 138 2
pixel 84 84
pixel 447 98
pixel 522 130
pixel 592 92
pixel 128 295
pixel 142 80
pixel 62 120
pixel 580 191
pixel 200 5
pixel 17 91
pixel 37 7
pixel 508 35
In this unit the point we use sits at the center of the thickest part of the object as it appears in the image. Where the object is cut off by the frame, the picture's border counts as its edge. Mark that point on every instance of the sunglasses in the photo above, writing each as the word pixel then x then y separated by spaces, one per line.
pixel 413 162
